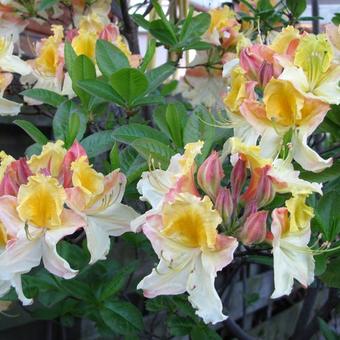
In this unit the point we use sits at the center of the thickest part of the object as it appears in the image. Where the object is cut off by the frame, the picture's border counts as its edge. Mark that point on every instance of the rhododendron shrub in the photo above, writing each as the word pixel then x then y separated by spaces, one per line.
pixel 155 195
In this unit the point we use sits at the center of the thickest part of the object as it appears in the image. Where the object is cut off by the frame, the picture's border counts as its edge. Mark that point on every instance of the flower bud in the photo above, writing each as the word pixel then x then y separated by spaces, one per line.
pixel 266 73
pixel 238 178
pixel 109 33
pixel 254 229
pixel 224 205
pixel 210 174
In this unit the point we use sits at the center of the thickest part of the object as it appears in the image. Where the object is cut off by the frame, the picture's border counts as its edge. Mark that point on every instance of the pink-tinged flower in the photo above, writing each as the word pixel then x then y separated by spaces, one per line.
pixel 109 33
pixel 16 174
pixel 190 251
pixel 7 107
pixel 225 205
pixel 158 185
pixel 97 199
pixel 257 59
pixel 254 229
pixel 35 220
pixel 290 236
pixel 238 178
pixel 210 175
pixel 75 152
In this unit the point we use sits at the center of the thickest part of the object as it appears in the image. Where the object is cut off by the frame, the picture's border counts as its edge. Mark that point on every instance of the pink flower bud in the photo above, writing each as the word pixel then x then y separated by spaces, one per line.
pixel 224 205
pixel 238 178
pixel 75 152
pixel 71 34
pixel 8 186
pixel 210 174
pixel 260 188
pixel 266 73
pixel 109 33
pixel 254 229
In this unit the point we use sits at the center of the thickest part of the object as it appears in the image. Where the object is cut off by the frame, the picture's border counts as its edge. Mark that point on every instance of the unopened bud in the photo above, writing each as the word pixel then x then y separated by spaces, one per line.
pixel 238 178
pixel 266 73
pixel 210 174
pixel 224 205
pixel 254 229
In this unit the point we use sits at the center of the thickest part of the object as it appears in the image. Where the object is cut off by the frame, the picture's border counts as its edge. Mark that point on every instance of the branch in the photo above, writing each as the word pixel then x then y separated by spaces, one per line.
pixel 236 330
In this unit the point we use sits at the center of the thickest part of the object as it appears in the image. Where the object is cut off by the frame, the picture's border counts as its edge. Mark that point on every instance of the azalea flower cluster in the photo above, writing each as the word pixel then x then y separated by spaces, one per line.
pixel 47 197
pixel 204 84
pixel 281 93
pixel 47 69
pixel 195 229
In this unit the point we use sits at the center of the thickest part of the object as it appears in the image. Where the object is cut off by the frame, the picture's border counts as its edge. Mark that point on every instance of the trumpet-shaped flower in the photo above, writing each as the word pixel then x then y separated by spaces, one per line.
pixel 333 34
pixel 7 107
pixel 5 160
pixel 51 158
pixel 313 73
pixel 10 62
pixel 286 109
pixel 184 236
pixel 35 220
pixel 98 200
pixel 292 258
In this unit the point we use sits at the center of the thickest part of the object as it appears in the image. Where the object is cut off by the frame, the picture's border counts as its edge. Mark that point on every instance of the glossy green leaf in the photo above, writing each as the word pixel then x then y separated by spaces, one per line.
pixel 45 96
pixel 98 143
pixel 176 117
pixel 32 131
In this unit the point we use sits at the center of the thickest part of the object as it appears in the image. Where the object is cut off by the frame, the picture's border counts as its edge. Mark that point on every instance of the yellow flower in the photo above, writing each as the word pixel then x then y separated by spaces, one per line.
pixel 188 159
pixel 49 57
pixel 300 213
pixel 122 46
pixel 283 40
pixel 5 160
pixel 191 221
pixel 41 201
pixel 220 18
pixel 86 178
pixel 85 43
pixel 238 90
pixel 284 103
pixel 92 23
pixel 51 158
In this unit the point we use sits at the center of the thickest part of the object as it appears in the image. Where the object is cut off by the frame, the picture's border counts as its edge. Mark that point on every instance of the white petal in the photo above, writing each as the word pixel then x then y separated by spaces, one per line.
pixel 229 66
pixel 270 143
pixel 297 77
pixel 8 107
pixel 307 157
pixel 115 220
pixel 201 283
pixel 329 89
pixel 53 262
pixel 98 240
pixel 12 63
pixel 5 286
pixel 17 284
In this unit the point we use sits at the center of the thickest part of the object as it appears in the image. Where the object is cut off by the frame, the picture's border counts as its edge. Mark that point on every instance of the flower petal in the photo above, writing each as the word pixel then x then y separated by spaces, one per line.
pixel 12 63
pixel 8 107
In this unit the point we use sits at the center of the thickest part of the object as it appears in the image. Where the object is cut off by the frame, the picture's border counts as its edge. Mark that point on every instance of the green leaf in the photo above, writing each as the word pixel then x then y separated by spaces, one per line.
pixel 320 264
pixel 169 87
pixel 327 215
pixel 204 332
pixel 32 131
pixel 110 58
pixel 122 317
pixel 198 26
pixel 70 56
pixel 136 168
pixel 296 7
pixel 158 75
pixel 180 326
pixel 266 260
pixel 149 100
pixel 326 331
pixel 114 157
pixel 176 117
pixel 186 24
pixel 150 52
pixel 62 122
pixel 331 277
pixel 77 289
pixel 129 83
pixel 165 21
pixel 101 90
pixel 160 120
pixel 336 19
pixel 129 133
pixel 46 4
pixel 98 143
pixel 140 21
pixel 197 45
pixel 45 96
pixel 82 69
pixel 161 32
pixel 117 283
pixel 34 149
pixel 152 149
